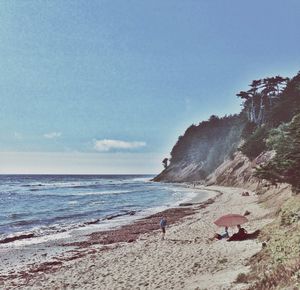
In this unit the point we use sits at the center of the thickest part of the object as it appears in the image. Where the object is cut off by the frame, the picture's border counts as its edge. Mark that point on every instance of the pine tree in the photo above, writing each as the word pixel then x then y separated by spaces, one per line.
pixel 285 166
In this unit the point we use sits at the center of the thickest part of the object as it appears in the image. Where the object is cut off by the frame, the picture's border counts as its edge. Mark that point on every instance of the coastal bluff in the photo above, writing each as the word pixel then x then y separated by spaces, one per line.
pixel 268 122
pixel 202 149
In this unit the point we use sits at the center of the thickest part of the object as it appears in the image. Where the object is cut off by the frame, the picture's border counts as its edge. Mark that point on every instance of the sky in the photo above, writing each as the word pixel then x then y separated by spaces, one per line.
pixel 108 86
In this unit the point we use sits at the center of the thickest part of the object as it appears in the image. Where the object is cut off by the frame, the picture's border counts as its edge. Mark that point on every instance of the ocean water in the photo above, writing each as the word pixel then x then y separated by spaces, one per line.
pixel 49 204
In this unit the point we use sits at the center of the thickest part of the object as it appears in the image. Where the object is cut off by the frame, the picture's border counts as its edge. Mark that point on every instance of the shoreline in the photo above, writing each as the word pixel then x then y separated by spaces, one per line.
pixel 110 221
pixel 142 234
pixel 34 252
pixel 130 232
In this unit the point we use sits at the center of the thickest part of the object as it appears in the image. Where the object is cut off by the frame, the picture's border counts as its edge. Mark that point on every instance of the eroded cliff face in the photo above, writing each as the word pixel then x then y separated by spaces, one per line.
pixel 239 171
pixel 181 172
pixel 202 149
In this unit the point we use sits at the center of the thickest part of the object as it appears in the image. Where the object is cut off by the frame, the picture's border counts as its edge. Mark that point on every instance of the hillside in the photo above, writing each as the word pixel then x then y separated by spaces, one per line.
pixel 203 148
pixel 268 122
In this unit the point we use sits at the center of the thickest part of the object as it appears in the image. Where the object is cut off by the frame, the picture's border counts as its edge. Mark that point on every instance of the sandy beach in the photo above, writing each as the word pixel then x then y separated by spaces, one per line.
pixel 186 259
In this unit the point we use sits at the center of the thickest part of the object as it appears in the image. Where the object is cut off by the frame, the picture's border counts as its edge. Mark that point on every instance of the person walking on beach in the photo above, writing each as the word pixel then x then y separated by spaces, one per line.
pixel 163 224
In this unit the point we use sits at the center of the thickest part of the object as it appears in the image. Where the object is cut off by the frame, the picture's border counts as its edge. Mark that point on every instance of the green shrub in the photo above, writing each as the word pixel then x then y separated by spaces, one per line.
pixel 241 278
pixel 248 130
pixel 256 143
pixel 285 166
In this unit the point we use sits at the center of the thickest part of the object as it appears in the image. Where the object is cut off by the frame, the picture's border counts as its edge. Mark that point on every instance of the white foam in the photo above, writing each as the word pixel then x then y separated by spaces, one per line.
pixel 106 192
pixel 35 240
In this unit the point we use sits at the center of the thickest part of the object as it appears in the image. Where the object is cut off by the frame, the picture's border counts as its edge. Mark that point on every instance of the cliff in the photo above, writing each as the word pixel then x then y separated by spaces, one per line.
pixel 203 148
pixel 215 150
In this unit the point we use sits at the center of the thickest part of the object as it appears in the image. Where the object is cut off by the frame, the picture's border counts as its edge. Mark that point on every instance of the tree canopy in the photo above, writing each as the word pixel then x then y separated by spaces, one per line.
pixel 285 166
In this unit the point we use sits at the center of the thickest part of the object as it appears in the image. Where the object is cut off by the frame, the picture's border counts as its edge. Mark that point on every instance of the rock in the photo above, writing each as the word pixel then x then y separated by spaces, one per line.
pixel 92 222
pixel 246 193
pixel 185 204
pixel 247 212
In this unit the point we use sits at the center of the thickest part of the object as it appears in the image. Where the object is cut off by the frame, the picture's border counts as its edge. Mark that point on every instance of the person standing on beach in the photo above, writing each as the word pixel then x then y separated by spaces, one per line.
pixel 163 224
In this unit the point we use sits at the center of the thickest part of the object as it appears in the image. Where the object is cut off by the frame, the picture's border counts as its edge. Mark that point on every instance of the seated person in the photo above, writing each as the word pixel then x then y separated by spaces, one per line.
pixel 222 236
pixel 241 231
pixel 240 235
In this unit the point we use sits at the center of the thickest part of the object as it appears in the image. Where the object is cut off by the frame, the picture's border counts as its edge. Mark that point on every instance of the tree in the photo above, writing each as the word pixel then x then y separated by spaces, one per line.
pixel 261 97
pixel 255 144
pixel 285 166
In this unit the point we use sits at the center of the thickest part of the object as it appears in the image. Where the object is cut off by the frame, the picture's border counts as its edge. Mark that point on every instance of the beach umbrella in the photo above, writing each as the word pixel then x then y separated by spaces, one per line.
pixel 230 220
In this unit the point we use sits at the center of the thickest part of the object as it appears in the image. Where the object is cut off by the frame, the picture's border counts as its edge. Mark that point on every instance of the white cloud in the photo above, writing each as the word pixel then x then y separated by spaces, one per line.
pixel 107 145
pixel 52 135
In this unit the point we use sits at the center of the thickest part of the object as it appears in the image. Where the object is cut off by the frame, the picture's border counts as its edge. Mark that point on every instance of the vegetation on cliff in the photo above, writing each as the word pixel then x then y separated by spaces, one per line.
pixel 268 121
pixel 262 96
pixel 203 148
pixel 285 166
pixel 215 130
pixel 277 265
pixel 278 130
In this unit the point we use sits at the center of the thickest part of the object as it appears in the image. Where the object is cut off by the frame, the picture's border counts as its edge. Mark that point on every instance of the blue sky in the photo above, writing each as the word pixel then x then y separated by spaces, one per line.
pixel 117 82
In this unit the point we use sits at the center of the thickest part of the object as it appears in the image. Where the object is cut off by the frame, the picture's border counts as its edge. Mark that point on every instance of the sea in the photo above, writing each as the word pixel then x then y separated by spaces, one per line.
pixel 45 205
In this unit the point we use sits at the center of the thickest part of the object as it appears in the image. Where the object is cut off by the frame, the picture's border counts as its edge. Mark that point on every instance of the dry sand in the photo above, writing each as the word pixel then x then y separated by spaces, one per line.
pixel 185 260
